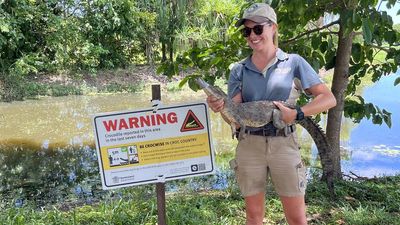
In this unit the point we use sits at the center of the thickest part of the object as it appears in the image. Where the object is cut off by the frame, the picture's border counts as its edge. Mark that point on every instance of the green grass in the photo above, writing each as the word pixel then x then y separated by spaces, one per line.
pixel 33 90
pixel 125 88
pixel 375 201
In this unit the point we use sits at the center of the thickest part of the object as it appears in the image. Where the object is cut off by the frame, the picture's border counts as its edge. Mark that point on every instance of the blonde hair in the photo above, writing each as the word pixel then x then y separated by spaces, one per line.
pixel 276 36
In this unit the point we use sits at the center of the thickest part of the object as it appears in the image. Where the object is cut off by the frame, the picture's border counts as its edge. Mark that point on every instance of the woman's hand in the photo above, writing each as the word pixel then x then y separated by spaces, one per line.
pixel 215 104
pixel 288 114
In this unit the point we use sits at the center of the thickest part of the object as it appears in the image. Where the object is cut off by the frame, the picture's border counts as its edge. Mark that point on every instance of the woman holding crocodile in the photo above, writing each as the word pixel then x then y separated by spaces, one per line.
pixel 273 75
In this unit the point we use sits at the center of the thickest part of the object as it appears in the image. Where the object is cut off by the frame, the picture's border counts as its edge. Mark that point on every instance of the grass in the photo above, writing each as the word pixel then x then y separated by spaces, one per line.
pixel 34 90
pixel 375 201
pixel 51 197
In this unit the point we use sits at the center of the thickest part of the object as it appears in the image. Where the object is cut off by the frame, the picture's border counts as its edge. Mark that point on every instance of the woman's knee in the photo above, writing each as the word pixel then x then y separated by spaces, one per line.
pixel 255 208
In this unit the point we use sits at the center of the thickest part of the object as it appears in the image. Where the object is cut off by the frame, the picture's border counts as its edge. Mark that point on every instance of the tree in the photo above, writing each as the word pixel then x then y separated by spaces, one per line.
pixel 346 36
pixel 38 37
pixel 171 18
pixel 24 27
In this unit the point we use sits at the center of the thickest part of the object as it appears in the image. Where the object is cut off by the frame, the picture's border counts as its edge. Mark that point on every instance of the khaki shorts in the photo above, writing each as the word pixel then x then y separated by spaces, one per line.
pixel 259 157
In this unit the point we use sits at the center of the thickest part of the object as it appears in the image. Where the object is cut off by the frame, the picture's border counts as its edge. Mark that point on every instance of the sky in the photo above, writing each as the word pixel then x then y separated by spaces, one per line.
pixel 392 12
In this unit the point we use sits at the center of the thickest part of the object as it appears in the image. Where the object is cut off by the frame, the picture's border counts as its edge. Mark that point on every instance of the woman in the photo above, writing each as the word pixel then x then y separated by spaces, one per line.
pixel 271 74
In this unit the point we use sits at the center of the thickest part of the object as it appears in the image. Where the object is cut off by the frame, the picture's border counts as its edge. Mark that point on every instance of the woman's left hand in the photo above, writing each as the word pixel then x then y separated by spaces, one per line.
pixel 288 114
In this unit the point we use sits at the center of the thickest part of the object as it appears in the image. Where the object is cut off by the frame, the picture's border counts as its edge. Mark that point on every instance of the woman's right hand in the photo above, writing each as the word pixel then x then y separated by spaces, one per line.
pixel 215 104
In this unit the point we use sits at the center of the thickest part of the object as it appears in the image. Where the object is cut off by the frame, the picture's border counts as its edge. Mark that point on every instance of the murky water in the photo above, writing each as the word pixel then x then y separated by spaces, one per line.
pixel 47 148
pixel 66 121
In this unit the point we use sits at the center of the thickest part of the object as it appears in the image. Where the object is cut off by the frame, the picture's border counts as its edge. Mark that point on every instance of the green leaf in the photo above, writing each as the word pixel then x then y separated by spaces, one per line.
pixel 315 41
pixel 323 47
pixel 300 10
pixel 370 55
pixel 4 28
pixel 183 81
pixel 367 30
pixel 193 85
pixel 215 60
pixel 356 21
pixel 388 120
pixel 315 64
pixel 376 119
pixel 390 37
pixel 162 68
pixel 330 63
pixel 356 52
pixel 397 81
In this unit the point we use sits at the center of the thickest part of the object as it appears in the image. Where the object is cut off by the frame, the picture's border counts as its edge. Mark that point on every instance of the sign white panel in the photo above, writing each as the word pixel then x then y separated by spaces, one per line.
pixel 138 147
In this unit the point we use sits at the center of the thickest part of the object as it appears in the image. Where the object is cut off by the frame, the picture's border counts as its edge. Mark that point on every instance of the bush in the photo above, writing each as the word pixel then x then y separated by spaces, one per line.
pixel 64 90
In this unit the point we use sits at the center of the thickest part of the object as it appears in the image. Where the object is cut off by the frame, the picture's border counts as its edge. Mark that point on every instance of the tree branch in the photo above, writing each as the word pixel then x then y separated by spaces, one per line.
pixel 333 5
pixel 380 48
pixel 310 31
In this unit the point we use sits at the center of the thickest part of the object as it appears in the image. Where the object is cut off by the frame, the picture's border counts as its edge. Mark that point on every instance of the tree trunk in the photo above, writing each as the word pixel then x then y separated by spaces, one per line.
pixel 339 85
pixel 149 54
pixel 163 52
pixel 171 49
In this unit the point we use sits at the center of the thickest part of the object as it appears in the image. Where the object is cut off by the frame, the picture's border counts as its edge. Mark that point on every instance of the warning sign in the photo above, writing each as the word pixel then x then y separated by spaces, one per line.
pixel 191 123
pixel 143 146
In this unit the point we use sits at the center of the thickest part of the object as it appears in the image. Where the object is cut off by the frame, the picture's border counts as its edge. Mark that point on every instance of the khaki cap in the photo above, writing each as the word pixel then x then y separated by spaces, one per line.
pixel 259 13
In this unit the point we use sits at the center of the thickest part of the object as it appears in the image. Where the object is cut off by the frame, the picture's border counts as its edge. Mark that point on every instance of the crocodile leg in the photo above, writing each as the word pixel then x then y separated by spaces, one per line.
pixel 276 119
pixel 233 129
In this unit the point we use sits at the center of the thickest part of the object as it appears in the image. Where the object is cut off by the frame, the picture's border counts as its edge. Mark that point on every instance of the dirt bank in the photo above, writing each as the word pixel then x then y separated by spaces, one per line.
pixel 131 76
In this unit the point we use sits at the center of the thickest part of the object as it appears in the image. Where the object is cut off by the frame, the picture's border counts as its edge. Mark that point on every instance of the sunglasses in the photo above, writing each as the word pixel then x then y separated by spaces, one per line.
pixel 257 29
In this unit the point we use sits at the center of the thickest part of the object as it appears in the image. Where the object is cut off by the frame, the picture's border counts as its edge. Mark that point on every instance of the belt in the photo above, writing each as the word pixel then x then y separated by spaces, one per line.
pixel 272 131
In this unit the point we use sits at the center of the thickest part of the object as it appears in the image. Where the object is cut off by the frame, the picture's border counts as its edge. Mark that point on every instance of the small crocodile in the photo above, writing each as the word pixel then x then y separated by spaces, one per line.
pixel 246 114
pixel 260 113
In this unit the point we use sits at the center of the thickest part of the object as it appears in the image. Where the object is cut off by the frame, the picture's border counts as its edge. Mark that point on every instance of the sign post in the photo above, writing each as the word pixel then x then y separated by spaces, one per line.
pixel 154 145
pixel 160 186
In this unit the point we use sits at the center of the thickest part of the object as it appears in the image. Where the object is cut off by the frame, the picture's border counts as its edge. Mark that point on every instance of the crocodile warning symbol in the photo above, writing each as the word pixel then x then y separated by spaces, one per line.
pixel 191 122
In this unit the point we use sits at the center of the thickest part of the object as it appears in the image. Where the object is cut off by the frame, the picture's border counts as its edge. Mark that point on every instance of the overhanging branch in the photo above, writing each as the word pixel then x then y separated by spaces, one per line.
pixel 380 48
pixel 310 31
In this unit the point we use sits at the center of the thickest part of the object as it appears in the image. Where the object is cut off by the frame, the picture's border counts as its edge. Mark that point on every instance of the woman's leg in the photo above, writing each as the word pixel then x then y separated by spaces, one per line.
pixel 255 209
pixel 294 209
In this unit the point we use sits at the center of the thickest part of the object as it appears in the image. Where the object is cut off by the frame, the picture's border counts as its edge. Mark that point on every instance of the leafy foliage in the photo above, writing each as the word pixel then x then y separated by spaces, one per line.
pixel 358 110
pixel 39 37
pixel 313 33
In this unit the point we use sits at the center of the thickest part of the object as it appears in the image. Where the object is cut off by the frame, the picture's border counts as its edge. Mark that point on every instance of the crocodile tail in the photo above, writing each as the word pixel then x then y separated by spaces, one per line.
pixel 324 149
pixel 202 83
pixel 209 89
pixel 220 92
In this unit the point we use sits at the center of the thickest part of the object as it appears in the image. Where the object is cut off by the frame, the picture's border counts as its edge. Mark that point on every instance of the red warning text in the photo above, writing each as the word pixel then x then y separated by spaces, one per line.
pixel 141 121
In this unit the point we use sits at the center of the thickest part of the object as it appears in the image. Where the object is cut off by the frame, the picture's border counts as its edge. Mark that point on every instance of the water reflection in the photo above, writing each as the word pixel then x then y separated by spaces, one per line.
pixel 69 176
pixel 47 152
pixel 40 177
pixel 375 149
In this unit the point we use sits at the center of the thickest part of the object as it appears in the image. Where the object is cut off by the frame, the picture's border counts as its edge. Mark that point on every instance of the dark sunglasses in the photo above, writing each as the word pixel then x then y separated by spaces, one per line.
pixel 257 29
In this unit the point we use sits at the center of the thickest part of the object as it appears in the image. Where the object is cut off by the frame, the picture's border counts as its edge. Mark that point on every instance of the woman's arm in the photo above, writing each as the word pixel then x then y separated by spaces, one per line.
pixel 322 101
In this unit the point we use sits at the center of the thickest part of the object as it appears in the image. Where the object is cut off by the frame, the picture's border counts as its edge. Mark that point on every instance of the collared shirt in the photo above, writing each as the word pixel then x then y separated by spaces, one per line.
pixel 277 82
